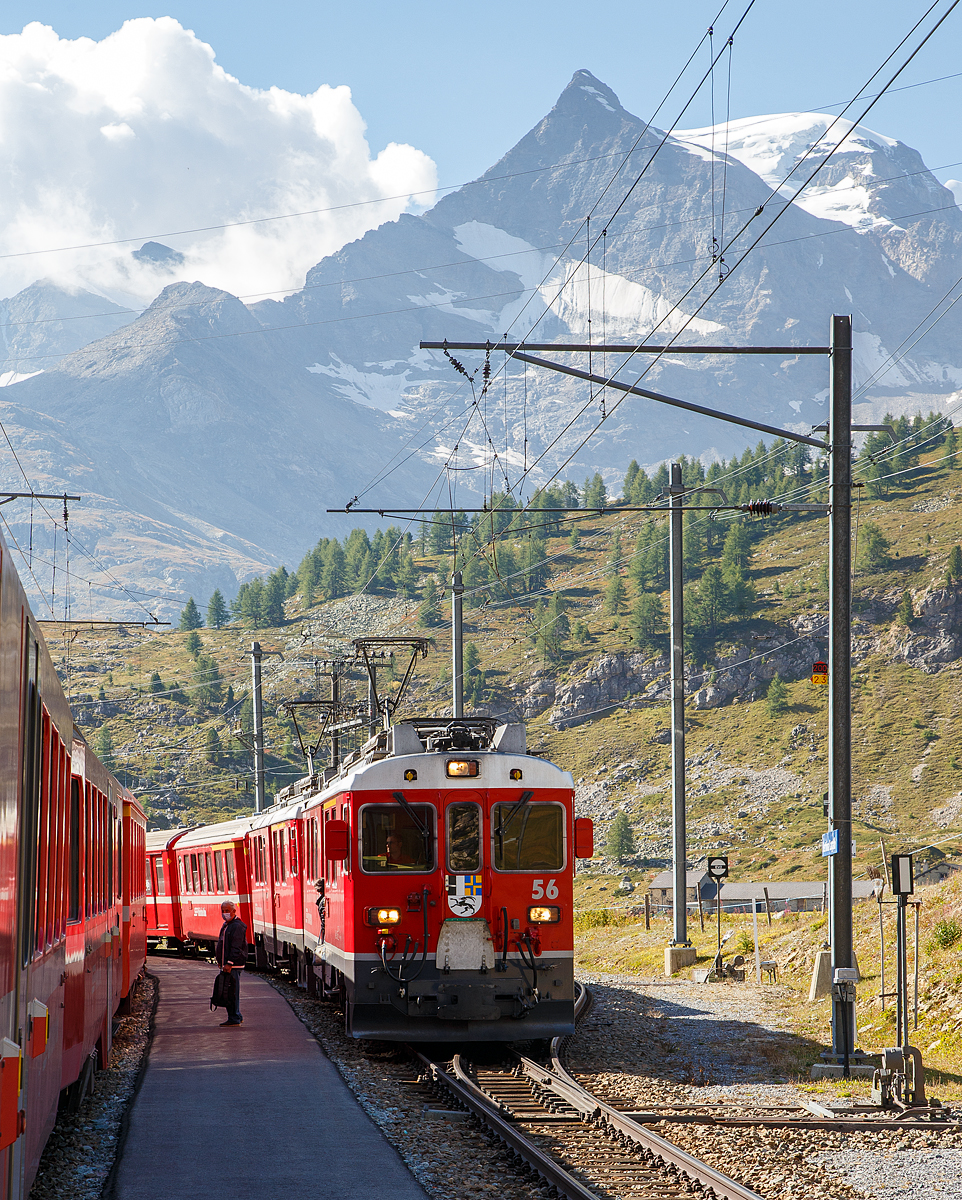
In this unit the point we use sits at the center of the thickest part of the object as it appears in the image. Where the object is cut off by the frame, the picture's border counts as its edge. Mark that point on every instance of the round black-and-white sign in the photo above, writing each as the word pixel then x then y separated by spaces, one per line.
pixel 718 867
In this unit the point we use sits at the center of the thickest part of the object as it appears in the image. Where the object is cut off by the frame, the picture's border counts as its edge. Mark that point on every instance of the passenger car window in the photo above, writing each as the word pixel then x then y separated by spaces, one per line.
pixel 528 837
pixel 160 877
pixel 463 837
pixel 394 838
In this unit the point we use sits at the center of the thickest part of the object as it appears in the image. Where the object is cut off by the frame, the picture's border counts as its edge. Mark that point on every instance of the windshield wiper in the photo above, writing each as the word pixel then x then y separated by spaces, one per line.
pixel 505 821
pixel 425 830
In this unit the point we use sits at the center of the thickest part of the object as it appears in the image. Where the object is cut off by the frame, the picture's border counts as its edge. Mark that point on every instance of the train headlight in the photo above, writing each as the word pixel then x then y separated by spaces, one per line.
pixel 462 768
pixel 383 916
pixel 544 914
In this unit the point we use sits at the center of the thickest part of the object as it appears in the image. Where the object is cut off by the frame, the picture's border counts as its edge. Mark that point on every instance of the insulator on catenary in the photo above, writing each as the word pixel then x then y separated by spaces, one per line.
pixel 761 508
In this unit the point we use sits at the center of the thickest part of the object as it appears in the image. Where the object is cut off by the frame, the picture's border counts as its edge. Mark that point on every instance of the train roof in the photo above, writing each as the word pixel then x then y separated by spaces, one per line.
pixel 160 839
pixel 223 831
pixel 374 765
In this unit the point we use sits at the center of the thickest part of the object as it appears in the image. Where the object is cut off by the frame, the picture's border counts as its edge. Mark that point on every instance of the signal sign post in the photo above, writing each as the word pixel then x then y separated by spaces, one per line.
pixel 718 870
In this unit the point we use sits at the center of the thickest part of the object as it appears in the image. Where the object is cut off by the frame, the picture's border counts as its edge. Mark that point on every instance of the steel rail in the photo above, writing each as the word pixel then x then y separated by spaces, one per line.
pixel 492 1114
pixel 564 1085
pixel 561 1084
pixel 499 1118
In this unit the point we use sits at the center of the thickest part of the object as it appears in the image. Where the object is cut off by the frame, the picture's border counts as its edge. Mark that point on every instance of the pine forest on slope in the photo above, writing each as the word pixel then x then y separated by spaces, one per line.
pixel 580 657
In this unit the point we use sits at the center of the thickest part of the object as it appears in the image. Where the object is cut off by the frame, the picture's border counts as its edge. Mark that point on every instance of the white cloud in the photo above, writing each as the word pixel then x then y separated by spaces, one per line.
pixel 143 134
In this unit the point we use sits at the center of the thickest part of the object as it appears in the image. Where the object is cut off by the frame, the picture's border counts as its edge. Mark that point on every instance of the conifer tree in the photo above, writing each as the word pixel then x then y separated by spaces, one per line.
pixel 333 573
pixel 874 548
pixel 156 684
pixel 212 747
pixel 429 614
pixel 207 682
pixel 192 643
pixel 648 621
pixel 621 839
pixel 104 746
pixel 217 611
pixel 190 618
pixel 615 594
pixel 776 697
pixel 613 565
pixel 905 614
pixel 954 565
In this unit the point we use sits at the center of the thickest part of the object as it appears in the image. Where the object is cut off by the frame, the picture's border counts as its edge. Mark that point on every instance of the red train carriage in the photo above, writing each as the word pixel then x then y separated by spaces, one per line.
pixel 278 881
pixel 133 929
pixel 435 886
pixel 210 866
pixel 71 894
pixel 163 888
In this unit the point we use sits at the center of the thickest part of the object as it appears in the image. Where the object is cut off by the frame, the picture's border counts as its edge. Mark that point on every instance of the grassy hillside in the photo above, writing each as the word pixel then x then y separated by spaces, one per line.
pixel 757 772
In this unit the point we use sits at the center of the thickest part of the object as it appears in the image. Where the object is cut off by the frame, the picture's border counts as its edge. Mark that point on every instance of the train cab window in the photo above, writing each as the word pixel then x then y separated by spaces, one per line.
pixel 219 870
pixel 397 839
pixel 210 874
pixel 463 824
pixel 194 873
pixel 292 850
pixel 184 885
pixel 161 886
pixel 150 885
pixel 528 837
pixel 229 861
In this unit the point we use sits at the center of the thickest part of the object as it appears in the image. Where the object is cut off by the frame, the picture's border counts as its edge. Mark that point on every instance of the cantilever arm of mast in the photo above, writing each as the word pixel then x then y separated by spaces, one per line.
pixel 8 496
pixel 622 348
pixel 632 390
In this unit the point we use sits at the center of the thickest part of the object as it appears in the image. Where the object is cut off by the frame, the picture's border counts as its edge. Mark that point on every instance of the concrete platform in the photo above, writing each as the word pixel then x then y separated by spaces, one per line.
pixel 246 1113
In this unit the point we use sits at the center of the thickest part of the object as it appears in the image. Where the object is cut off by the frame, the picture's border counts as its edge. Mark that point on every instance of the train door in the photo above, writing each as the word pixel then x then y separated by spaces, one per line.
pixel 156 893
pixel 262 893
pixel 278 873
pixel 297 871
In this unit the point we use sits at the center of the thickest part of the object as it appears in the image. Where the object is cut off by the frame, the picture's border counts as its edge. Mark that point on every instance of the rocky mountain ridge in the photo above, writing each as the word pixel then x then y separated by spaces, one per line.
pixel 217 434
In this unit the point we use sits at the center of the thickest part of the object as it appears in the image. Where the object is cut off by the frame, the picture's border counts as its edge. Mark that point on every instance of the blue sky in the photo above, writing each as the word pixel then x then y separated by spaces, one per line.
pixel 462 82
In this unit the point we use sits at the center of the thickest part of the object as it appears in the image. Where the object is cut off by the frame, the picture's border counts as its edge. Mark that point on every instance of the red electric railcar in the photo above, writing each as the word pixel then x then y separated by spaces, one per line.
pixel 428 883
pixel 71 894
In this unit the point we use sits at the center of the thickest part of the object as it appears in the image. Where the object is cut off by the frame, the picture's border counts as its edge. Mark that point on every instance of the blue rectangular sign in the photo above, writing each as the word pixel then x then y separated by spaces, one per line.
pixel 830 843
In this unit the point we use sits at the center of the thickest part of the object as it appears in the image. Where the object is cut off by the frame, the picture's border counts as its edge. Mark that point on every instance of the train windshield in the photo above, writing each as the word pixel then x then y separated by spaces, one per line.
pixel 397 839
pixel 528 837
pixel 464 838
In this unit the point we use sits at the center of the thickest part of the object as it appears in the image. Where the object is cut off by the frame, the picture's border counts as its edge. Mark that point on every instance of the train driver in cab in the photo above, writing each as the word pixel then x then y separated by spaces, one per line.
pixel 397 856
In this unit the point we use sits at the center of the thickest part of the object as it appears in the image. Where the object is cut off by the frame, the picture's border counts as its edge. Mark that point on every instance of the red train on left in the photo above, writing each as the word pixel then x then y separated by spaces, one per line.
pixel 72 895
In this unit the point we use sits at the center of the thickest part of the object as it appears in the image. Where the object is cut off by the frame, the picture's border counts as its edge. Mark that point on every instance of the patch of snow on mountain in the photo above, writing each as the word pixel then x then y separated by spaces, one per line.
pixel 7 378
pixel 480 455
pixel 370 388
pixel 501 251
pixel 871 363
pixel 771 146
pixel 443 300
pixel 598 96
pixel 632 309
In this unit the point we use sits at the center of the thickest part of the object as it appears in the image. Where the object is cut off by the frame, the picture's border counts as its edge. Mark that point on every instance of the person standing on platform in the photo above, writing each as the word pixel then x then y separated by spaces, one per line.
pixel 232 954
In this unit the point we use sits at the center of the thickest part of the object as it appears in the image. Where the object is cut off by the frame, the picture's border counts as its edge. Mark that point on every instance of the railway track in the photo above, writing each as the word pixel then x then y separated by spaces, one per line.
pixel 582 1147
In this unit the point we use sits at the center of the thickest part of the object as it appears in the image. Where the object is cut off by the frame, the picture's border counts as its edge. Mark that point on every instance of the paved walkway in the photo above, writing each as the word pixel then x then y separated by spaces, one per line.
pixel 249 1112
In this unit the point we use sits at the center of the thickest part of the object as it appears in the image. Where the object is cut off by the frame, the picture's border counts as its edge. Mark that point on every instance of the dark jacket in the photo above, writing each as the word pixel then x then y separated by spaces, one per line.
pixel 232 943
